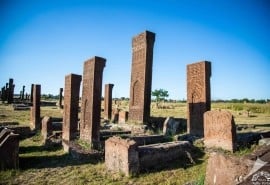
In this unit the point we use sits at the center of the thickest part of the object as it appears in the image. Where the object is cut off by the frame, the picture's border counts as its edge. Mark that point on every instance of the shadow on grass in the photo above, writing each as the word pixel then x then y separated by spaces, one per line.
pixel 47 160
pixel 247 139
pixel 193 158
pixel 156 124
pixel 262 125
pixel 30 149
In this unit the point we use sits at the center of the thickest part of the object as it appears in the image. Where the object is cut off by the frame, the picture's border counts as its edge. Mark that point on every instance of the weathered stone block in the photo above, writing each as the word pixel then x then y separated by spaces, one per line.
pixel 162 153
pixel 115 115
pixel 46 128
pixel 123 117
pixel 9 150
pixel 170 126
pixel 222 169
pixel 121 156
pixel 125 156
pixel 219 130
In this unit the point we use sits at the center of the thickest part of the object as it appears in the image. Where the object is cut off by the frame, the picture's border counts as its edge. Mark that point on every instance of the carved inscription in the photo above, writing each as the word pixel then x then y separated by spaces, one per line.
pixel 91 100
pixel 198 95
pixel 219 130
pixel 141 76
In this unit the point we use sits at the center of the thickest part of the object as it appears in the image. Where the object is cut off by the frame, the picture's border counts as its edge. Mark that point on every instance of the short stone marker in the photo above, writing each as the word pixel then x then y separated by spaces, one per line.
pixel 170 126
pixel 123 116
pixel 219 130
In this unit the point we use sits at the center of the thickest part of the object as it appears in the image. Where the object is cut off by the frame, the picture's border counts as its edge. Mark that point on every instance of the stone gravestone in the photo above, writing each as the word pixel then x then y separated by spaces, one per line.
pixel 23 93
pixel 31 94
pixel 10 91
pixel 219 130
pixel 3 94
pixel 71 109
pixel 46 128
pixel 121 156
pixel 9 150
pixel 60 98
pixel 123 116
pixel 198 95
pixel 115 115
pixel 141 77
pixel 170 126
pixel 108 101
pixel 91 100
pixel 35 109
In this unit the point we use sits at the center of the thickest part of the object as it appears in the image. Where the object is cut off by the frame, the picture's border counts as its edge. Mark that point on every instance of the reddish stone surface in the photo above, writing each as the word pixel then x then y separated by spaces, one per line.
pixel 198 95
pixel 121 156
pixel 91 100
pixel 126 156
pixel 71 106
pixel 115 115
pixel 123 117
pixel 9 150
pixel 219 130
pixel 35 109
pixel 141 77
pixel 46 127
pixel 223 169
pixel 108 101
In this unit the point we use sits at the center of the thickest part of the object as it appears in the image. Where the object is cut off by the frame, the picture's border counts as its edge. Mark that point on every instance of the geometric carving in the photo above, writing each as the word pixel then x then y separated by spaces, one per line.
pixel 141 77
pixel 198 95
pixel 91 100
pixel 108 101
pixel 219 130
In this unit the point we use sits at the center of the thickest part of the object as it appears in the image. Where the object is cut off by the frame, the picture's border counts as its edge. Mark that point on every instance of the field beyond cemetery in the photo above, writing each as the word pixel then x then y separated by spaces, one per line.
pixel 51 165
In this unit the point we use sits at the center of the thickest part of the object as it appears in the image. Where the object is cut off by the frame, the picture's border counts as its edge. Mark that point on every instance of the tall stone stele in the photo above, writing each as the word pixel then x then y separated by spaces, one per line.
pixel 60 98
pixel 10 91
pixel 91 100
pixel 141 77
pixel 198 95
pixel 35 109
pixel 108 101
pixel 71 109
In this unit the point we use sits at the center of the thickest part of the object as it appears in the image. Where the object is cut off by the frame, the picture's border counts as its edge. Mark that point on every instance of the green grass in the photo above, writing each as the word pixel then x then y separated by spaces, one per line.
pixel 8 114
pixel 51 165
pixel 41 165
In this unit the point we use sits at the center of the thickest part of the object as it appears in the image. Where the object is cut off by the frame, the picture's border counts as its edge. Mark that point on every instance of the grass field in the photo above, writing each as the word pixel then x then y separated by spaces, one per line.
pixel 41 165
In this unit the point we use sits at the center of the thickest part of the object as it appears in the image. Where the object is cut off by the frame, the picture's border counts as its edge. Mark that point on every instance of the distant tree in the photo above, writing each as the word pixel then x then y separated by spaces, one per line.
pixel 260 101
pixel 160 94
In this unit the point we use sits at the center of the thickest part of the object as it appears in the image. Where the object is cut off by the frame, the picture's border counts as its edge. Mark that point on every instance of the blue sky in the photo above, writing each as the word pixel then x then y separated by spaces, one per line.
pixel 42 41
